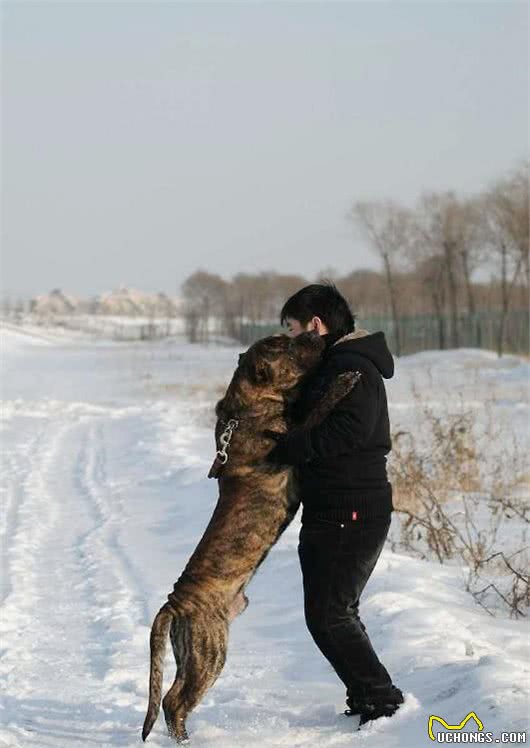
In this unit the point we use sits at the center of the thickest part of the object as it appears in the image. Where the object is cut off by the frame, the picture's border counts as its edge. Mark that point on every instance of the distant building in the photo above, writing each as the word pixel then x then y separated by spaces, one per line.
pixel 133 303
pixel 121 301
pixel 56 302
pixel 125 302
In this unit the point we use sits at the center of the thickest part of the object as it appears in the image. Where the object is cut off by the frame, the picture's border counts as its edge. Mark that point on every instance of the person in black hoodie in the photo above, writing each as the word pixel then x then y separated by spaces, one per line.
pixel 345 493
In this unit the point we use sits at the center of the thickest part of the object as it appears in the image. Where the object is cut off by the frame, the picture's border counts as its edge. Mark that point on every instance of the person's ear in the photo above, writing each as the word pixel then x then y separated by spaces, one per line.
pixel 318 325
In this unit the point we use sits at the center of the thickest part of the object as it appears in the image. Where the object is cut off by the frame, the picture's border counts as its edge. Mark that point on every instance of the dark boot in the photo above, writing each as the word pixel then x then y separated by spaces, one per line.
pixel 355 702
pixel 359 703
pixel 381 705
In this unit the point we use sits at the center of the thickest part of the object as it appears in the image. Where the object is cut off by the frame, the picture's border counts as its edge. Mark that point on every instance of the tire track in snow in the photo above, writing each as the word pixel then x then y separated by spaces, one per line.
pixel 17 467
pixel 11 500
pixel 73 623
pixel 112 585
pixel 31 516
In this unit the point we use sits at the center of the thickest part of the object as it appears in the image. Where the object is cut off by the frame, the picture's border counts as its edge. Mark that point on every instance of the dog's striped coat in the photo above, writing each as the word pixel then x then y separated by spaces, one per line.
pixel 256 503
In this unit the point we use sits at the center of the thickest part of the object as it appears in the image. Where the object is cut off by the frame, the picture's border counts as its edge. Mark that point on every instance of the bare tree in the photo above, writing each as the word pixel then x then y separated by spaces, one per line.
pixel 521 217
pixel 284 286
pixel 252 290
pixel 505 220
pixel 431 273
pixel 386 226
pixel 444 223
pixel 365 291
pixel 447 247
pixel 203 294
pixel 469 246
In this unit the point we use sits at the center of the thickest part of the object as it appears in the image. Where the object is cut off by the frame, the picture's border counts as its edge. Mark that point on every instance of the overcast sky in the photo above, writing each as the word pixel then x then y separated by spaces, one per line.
pixel 141 141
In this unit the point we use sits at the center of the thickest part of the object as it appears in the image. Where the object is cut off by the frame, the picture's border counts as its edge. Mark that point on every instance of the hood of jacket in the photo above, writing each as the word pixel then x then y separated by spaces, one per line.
pixel 370 345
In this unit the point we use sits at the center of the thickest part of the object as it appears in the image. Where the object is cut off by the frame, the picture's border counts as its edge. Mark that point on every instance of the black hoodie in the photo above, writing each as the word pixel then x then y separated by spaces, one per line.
pixel 341 463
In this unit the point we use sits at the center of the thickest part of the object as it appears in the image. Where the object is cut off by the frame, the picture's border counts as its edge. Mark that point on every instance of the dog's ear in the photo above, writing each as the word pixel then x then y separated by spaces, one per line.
pixel 260 372
pixel 256 368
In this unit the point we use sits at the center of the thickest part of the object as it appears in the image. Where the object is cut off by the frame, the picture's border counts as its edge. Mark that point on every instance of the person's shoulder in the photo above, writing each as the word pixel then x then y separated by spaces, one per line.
pixel 344 359
pixel 365 351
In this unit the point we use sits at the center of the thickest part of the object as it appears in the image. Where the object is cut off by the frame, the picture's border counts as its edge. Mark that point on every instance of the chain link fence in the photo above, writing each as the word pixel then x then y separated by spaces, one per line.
pixel 429 332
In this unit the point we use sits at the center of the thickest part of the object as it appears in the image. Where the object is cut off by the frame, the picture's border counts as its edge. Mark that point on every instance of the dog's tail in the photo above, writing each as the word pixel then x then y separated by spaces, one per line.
pixel 158 640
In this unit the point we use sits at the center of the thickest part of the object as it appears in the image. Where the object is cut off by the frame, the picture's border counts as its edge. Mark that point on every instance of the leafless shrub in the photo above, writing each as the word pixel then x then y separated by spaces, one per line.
pixel 461 496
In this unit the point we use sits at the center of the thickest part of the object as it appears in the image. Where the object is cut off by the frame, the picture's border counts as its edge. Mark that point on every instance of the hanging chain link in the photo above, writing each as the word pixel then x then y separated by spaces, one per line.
pixel 225 439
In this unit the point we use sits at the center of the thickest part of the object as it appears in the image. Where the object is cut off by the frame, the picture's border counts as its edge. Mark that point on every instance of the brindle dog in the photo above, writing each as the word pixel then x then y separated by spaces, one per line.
pixel 257 500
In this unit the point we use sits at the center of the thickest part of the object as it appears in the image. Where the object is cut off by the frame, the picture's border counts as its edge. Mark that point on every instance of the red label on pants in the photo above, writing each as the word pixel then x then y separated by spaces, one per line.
pixel 354 515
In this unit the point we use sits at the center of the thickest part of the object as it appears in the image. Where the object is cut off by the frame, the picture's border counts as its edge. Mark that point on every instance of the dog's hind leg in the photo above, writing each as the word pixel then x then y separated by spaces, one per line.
pixel 199 645
pixel 174 711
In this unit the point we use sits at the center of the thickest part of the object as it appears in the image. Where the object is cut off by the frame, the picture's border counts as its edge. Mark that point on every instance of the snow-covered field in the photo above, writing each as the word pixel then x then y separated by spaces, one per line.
pixel 105 450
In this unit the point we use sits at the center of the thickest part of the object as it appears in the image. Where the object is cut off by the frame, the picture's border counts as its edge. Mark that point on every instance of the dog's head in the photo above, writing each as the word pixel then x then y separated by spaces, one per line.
pixel 279 361
pixel 270 370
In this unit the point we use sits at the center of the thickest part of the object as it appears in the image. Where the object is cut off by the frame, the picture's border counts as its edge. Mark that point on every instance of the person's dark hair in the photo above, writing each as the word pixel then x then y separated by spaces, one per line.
pixel 320 300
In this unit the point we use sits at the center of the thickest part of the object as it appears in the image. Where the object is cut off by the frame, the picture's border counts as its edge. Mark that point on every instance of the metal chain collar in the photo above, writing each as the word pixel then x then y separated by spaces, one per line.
pixel 225 439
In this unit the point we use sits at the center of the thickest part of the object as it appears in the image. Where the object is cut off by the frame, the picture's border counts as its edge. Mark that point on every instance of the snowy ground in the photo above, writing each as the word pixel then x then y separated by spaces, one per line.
pixel 105 449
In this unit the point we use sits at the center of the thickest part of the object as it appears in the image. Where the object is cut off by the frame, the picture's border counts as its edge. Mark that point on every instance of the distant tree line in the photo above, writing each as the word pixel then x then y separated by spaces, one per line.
pixel 458 266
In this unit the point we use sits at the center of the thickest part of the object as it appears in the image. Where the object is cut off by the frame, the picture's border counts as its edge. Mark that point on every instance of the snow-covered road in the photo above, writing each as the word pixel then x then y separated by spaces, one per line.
pixel 105 450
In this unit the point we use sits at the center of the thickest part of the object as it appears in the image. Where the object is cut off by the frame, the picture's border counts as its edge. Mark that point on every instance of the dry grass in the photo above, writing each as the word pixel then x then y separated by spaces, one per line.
pixel 462 494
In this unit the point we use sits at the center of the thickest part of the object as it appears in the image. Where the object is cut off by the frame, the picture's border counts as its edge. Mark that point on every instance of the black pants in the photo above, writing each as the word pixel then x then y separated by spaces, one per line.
pixel 337 560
